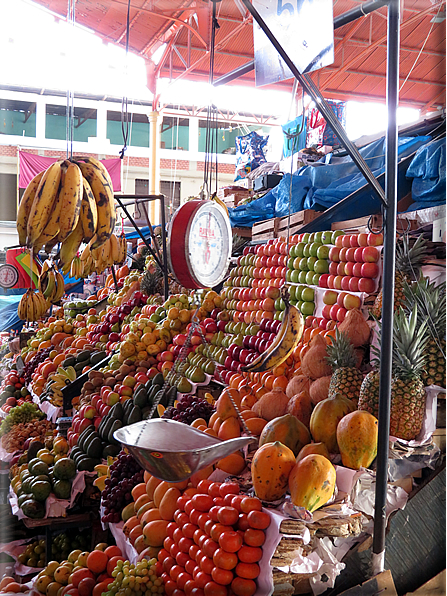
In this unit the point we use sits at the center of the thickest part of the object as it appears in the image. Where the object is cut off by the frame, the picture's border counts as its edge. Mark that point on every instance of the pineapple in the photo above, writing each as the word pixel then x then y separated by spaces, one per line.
pixel 407 389
pixel 409 261
pixel 431 303
pixel 346 377
pixel 152 282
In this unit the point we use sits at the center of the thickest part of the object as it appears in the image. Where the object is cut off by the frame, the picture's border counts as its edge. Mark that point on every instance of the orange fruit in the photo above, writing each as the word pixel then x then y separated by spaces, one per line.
pixel 97 561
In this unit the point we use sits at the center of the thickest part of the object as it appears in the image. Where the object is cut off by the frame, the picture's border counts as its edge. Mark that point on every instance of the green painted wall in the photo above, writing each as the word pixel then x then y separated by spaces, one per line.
pixel 138 133
pixel 12 122
pixel 225 138
pixel 55 128
pixel 169 138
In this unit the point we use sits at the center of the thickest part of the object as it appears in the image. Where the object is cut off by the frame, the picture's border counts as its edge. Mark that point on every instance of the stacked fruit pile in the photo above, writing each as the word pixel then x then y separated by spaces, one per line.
pixel 125 473
pixel 13 391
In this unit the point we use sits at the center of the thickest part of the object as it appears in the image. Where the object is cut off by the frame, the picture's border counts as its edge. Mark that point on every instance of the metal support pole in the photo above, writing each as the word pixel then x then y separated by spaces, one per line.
pixel 392 92
pixel 115 281
pixel 165 250
pixel 358 12
pixel 309 86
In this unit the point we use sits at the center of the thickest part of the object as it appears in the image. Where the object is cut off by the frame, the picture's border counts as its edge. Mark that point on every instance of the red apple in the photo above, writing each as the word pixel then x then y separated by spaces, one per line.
pixel 322 281
pixel 343 252
pixel 370 254
pixel 354 241
pixel 340 298
pixel 333 266
pixel 350 255
pixel 357 269
pixel 350 301
pixel 84 423
pixel 345 282
pixel 367 285
pixel 330 297
pixel 370 270
pixel 349 268
pixel 112 398
pixel 358 255
pixel 337 282
pixel 341 314
pixel 333 311
pixel 375 239
pixel 334 253
pixel 339 241
pixel 340 268
pixel 354 284
pixel 97 421
pixel 362 239
pixel 309 321
pixel 326 312
pixel 323 323
pixel 331 278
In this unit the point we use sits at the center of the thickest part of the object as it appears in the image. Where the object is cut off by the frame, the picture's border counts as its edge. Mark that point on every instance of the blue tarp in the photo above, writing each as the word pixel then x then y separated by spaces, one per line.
pixel 428 171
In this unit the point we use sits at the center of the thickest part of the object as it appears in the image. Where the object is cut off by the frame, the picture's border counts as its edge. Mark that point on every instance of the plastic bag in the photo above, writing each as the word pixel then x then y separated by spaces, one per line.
pixel 249 153
pixel 300 187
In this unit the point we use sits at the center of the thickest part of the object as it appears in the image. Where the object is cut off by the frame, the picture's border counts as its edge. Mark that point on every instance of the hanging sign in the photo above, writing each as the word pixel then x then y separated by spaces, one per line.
pixel 305 30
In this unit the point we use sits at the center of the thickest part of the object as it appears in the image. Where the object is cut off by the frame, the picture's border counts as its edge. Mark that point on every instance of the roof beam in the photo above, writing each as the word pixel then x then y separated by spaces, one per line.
pixel 437 99
pixel 364 73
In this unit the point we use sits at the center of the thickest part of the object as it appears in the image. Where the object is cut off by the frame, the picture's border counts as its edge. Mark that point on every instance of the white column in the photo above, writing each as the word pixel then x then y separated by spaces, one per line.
pixel 101 123
pixel 194 136
pixel 40 117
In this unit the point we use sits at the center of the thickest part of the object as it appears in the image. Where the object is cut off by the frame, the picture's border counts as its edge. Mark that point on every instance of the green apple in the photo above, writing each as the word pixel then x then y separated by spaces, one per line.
pixel 289 275
pixel 292 292
pixel 307 308
pixel 299 249
pixel 311 263
pixel 315 279
pixel 308 294
pixel 292 251
pixel 318 237
pixel 321 266
pixel 290 262
pixel 335 234
pixel 303 264
pixel 309 277
pixel 323 251
pixel 296 262
pixel 294 277
pixel 302 277
pixel 306 250
pixel 305 237
pixel 314 248
pixel 326 237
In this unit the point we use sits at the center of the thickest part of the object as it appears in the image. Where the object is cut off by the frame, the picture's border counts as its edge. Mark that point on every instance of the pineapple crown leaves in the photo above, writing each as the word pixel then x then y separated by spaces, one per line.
pixel 409 341
pixel 341 353
pixel 409 260
pixel 431 302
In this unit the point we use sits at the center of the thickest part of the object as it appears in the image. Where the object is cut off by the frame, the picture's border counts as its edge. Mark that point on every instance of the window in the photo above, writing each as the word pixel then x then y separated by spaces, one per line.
pixel 175 133
pixel 84 124
pixel 8 197
pixel 18 118
pixel 171 191
pixel 138 129
pixel 226 135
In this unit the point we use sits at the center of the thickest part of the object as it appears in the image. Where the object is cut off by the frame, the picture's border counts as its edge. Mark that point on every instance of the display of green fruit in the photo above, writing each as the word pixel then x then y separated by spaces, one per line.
pixel 62 489
pixel 64 469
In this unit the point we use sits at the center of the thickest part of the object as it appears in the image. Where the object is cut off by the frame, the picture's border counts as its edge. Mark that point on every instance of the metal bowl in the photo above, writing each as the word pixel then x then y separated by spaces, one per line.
pixel 173 451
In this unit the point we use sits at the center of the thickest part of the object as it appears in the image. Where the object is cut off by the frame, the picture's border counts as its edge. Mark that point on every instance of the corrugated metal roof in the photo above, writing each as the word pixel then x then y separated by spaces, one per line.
pixel 358 72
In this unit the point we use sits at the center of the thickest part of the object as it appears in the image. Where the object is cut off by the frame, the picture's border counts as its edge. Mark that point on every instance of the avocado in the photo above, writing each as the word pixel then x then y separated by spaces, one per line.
pixel 33 509
pixel 148 385
pixel 102 425
pixel 152 393
pixel 135 415
pixel 145 412
pixel 117 424
pixel 79 366
pixel 172 396
pixel 41 490
pixel 117 411
pixel 83 356
pixel 70 361
pixel 64 469
pixel 33 448
pixel 96 357
pixel 83 436
pixel 87 464
pixel 111 450
pixel 161 398
pixel 106 429
pixel 62 488
pixel 94 447
pixel 140 398
pixel 158 380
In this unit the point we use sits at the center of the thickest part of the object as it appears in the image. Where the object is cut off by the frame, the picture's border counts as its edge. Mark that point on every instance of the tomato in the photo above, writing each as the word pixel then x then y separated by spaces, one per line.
pixel 214 489
pixel 214 589
pixel 175 572
pixel 242 523
pixel 209 547
pixel 227 515
pixel 202 578
pixel 206 564
pixel 228 488
pixel 222 576
pixel 181 502
pixel 184 544
pixel 193 551
pixel 178 534
pixel 249 554
pixel 209 524
pixel 227 499
pixel 230 541
pixel 168 563
pixel 247 570
pixel 167 543
pixel 202 502
pixel 213 513
pixel 181 518
pixel 174 550
pixel 225 560
pixel 182 559
pixel 259 520
pixel 204 485
pixel 197 592
pixel 178 592
pixel 219 501
pixel 236 502
pixel 162 555
pixel 189 507
pixel 182 579
pixel 217 530
pixel 189 586
pixel 190 565
pixel 194 516
pixel 188 530
pixel 170 586
pixel 242 587
pixel 250 504
pixel 170 529
pixel 203 519
pixel 254 537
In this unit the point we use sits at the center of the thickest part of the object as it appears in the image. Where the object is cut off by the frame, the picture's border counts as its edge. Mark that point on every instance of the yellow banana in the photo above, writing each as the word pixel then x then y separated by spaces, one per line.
pixel 46 266
pixel 105 202
pixel 114 249
pixel 278 352
pixel 71 195
pixel 52 228
pixel 43 202
pixel 123 248
pixel 25 207
pixel 60 288
pixel 89 212
pixel 98 164
pixel 86 253
pixel 71 246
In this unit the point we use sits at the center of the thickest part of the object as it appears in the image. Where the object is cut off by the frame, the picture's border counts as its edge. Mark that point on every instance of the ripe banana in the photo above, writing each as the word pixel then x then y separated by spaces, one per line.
pixel 52 228
pixel 43 202
pixel 105 202
pixel 76 268
pixel 70 247
pixel 60 288
pixel 290 333
pixel 123 248
pixel 32 306
pixel 72 190
pixel 89 212
pixel 220 203
pixel 25 207
pixel 115 249
pixel 98 164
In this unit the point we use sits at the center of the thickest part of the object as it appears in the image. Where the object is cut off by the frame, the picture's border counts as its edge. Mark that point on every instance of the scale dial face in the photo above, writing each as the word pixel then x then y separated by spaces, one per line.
pixel 9 276
pixel 200 243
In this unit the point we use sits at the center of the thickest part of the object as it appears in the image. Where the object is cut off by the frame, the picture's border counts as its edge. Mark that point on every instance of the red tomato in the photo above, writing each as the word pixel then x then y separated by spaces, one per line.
pixel 219 501
pixel 202 502
pixel 174 550
pixel 250 504
pixel 170 529
pixel 225 560
pixel 246 570
pixel 214 589
pixel 189 587
pixel 197 592
pixel 243 587
pixel 210 547
pixel 259 520
pixel 162 555
pixel 175 572
pixel 202 579
pixel 204 485
pixel 222 576
pixel 193 551
pixel 217 530
pixel 167 543
pixel 182 579
pixel 168 563
pixel 227 515
pixel 194 516
pixel 189 507
pixel 214 489
pixel 242 523
pixel 170 586
pixel 181 502
pixel 249 554
pixel 209 524
pixel 182 559
pixel 178 534
pixel 181 518
pixel 213 513
pixel 203 519
pixel 206 564
pixel 184 544
pixel 188 530
pixel 190 566
pixel 254 537
pixel 178 592
pixel 228 488
pixel 230 541
pixel 236 502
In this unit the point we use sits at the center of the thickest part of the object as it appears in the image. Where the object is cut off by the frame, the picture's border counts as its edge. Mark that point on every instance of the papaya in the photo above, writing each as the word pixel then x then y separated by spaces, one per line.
pixel 155 532
pixel 312 482
pixel 168 504
pixel 325 418
pixel 288 430
pixel 357 434
pixel 313 448
pixel 270 469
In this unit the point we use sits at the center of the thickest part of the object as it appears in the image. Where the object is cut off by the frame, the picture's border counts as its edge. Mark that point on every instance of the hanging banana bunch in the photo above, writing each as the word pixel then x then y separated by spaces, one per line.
pixel 32 306
pixel 51 283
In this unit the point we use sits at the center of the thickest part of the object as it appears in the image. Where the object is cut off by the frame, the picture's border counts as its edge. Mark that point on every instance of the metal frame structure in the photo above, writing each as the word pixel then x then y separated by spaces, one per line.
pixel 162 260
pixel 389 200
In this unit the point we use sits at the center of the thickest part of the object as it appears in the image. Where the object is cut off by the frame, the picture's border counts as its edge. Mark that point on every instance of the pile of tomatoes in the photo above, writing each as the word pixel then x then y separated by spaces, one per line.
pixel 214 544
pixel 13 391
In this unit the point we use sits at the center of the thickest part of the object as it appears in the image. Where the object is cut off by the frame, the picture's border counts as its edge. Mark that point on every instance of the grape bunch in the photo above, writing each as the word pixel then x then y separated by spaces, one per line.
pixel 20 414
pixel 188 409
pixel 135 580
pixel 31 366
pixel 125 473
